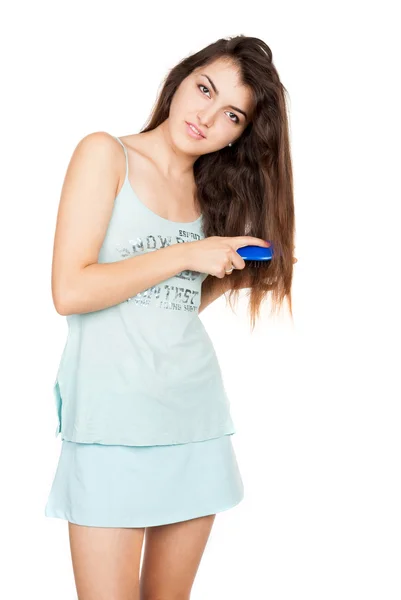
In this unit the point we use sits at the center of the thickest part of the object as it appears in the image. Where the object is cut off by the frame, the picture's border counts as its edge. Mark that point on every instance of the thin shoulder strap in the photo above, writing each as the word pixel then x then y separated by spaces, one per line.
pixel 126 156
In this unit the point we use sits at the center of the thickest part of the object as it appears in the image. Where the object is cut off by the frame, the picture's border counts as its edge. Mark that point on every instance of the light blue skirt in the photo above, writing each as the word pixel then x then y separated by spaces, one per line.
pixel 142 486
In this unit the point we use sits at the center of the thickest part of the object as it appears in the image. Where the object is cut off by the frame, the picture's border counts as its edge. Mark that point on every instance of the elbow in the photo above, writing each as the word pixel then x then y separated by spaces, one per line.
pixel 62 310
pixel 62 303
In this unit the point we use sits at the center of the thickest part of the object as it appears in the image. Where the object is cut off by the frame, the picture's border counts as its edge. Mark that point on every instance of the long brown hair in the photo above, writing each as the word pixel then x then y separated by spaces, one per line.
pixel 246 189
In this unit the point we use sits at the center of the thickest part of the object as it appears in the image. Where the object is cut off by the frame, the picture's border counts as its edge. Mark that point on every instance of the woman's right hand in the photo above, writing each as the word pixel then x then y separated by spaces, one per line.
pixel 216 255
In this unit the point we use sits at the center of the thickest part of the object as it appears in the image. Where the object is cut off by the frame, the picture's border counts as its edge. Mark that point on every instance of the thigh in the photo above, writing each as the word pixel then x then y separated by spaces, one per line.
pixel 171 558
pixel 106 561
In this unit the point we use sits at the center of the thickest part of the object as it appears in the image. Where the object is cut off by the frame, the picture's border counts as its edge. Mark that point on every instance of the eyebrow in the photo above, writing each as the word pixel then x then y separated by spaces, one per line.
pixel 216 91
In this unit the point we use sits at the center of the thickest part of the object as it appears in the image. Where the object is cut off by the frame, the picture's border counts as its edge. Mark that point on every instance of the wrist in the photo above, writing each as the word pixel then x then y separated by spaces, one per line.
pixel 181 255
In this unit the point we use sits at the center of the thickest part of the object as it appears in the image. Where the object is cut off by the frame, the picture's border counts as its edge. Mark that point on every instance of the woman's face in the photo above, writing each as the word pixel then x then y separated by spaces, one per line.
pixel 212 99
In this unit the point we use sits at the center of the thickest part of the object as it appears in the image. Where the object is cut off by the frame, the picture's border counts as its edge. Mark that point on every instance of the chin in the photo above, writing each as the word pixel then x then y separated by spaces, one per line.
pixel 185 145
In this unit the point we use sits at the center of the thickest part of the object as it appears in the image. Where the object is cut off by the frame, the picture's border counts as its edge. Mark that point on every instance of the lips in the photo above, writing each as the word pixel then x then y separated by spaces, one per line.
pixel 197 128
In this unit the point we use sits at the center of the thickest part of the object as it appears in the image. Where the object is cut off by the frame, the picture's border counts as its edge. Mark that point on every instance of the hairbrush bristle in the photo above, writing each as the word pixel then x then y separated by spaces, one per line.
pixel 256 264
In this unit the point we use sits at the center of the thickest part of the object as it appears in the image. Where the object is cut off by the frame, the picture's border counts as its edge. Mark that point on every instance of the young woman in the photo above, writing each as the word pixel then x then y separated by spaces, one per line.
pixel 146 238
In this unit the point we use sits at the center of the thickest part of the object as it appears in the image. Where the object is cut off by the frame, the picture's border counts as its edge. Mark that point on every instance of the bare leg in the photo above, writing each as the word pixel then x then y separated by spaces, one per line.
pixel 171 558
pixel 106 561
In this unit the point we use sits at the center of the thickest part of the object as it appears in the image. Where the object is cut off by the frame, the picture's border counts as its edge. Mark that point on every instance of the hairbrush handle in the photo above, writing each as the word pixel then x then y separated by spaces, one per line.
pixel 255 252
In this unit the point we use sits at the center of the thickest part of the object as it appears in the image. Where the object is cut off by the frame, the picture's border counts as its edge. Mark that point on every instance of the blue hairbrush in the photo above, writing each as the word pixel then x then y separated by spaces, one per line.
pixel 255 256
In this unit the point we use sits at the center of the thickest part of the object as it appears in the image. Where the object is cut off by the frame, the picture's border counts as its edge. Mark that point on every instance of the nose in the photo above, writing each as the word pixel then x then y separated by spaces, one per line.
pixel 205 118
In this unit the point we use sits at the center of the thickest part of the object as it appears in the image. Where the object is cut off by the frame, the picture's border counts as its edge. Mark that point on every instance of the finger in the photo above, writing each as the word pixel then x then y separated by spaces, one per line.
pixel 236 261
pixel 247 240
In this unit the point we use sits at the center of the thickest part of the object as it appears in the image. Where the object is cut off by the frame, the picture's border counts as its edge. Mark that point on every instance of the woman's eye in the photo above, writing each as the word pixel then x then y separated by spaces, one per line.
pixel 206 88
pixel 200 86
pixel 236 118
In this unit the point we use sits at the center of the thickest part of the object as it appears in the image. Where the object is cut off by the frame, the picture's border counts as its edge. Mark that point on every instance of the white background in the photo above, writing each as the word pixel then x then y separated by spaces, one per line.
pixel 316 402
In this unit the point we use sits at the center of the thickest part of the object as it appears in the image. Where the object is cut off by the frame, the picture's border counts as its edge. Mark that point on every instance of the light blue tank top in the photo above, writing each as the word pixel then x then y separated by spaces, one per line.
pixel 142 372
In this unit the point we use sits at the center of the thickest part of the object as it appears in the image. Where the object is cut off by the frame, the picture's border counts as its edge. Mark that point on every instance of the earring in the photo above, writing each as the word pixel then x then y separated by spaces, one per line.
pixel 230 144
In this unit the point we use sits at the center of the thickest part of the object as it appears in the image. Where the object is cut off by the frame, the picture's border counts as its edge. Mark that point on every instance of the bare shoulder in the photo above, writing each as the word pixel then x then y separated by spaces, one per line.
pixel 99 143
pixel 93 174
pixel 99 151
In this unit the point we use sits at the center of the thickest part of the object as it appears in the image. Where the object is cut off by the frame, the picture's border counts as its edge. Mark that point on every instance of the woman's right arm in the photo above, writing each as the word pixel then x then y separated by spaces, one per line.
pixel 79 283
